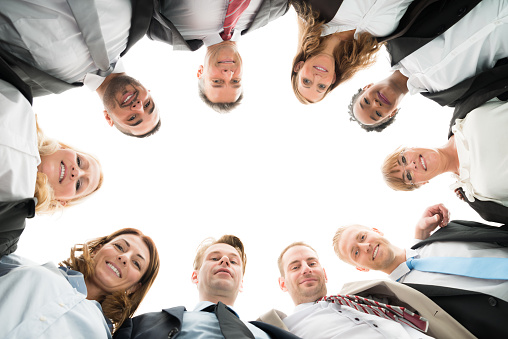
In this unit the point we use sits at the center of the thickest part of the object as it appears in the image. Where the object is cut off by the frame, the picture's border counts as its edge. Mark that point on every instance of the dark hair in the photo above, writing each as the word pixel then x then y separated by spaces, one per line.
pixel 154 130
pixel 369 128
pixel 230 240
pixel 219 107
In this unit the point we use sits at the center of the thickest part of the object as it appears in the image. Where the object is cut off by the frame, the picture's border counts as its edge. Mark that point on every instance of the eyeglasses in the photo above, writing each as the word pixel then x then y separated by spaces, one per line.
pixel 403 162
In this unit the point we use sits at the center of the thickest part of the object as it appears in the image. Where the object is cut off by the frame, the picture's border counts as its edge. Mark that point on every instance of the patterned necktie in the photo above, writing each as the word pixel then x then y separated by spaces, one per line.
pixel 230 325
pixel 235 9
pixel 483 268
pixel 396 313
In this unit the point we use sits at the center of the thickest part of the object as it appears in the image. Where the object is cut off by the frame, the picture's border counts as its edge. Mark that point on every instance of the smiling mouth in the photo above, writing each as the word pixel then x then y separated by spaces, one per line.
pixel 321 69
pixel 129 99
pixel 424 165
pixel 114 269
pixel 374 255
pixel 383 98
pixel 308 280
pixel 62 172
pixel 226 62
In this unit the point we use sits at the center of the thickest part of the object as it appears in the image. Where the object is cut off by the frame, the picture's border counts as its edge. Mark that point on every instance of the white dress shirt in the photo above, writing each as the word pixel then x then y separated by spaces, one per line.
pixel 18 145
pixel 204 325
pixel 377 17
pixel 325 320
pixel 481 139
pixel 44 34
pixel 204 19
pixel 474 44
pixel 496 288
pixel 38 302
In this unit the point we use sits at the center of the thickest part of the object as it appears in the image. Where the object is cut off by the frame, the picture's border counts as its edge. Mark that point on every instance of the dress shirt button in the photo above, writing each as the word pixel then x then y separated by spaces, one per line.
pixel 61 304
pixel 357 319
pixel 374 325
pixel 42 318
pixel 492 301
pixel 461 11
pixel 173 332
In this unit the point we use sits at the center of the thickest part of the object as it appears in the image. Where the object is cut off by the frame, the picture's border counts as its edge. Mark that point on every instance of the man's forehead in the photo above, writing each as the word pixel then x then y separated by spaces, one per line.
pixel 223 249
pixel 298 252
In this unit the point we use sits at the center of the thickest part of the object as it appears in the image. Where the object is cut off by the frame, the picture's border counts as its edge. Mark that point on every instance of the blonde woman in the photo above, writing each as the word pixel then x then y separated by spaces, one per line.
pixel 89 296
pixel 331 53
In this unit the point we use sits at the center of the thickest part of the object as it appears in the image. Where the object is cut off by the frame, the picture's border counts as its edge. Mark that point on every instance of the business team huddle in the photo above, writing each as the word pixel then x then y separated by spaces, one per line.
pixel 451 52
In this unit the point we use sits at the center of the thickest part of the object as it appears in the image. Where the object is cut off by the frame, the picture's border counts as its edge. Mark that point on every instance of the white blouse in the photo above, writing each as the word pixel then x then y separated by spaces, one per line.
pixel 377 17
pixel 481 139
pixel 18 145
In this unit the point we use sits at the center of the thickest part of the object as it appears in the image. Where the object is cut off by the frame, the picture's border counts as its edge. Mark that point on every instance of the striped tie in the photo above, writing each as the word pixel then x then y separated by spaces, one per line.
pixel 395 313
pixel 235 9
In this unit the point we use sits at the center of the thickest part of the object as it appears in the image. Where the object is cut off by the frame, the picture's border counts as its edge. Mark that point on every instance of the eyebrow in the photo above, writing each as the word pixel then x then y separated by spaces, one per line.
pixel 232 254
pixel 153 107
pixel 307 259
pixel 129 245
pixel 136 123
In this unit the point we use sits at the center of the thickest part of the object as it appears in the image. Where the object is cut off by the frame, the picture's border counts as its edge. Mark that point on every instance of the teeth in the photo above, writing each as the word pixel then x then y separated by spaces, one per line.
pixel 423 163
pixel 127 99
pixel 114 269
pixel 321 68
pixel 375 252
pixel 62 172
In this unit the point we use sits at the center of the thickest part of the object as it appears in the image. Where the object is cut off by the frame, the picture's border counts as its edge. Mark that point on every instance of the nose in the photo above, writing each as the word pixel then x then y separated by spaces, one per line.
pixel 76 172
pixel 228 73
pixel 137 105
pixel 365 247
pixel 225 260
pixel 122 258
pixel 306 269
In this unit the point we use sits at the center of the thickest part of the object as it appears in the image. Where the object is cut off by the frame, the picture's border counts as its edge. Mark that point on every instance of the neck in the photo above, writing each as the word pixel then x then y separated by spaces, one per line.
pixel 92 291
pixel 331 41
pixel 215 299
pixel 450 158
pixel 400 81
pixel 400 257
pixel 102 88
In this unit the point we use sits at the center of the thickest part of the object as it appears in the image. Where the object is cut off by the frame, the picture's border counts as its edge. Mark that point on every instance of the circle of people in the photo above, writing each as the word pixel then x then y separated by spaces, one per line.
pixel 452 52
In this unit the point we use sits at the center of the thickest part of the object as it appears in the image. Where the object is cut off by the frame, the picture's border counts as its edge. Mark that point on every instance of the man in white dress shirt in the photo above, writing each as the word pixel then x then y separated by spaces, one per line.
pixel 46 46
pixel 366 248
pixel 303 277
pixel 202 21
pixel 471 46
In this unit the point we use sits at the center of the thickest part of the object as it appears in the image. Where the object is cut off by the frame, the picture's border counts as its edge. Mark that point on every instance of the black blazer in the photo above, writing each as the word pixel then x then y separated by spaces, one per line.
pixel 8 74
pixel 168 324
pixel 12 222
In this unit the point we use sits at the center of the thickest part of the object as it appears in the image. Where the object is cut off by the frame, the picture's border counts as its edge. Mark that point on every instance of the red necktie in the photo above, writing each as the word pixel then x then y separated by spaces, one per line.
pixel 396 313
pixel 235 9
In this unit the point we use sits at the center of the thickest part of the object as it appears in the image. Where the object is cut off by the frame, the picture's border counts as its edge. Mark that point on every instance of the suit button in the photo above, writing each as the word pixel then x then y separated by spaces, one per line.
pixel 461 11
pixel 492 301
pixel 173 332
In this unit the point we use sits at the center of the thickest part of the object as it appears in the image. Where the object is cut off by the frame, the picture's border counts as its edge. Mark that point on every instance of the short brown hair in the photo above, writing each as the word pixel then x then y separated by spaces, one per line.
pixel 338 236
pixel 119 305
pixel 219 107
pixel 394 181
pixel 296 243
pixel 230 240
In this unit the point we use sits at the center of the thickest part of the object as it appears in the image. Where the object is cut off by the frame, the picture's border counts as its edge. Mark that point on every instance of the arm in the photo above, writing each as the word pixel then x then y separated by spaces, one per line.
pixel 434 216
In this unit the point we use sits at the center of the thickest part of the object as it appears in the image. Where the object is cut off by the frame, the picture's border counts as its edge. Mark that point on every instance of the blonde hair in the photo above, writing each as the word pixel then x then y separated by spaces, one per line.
pixel 46 201
pixel 119 305
pixel 350 55
pixel 390 170
pixel 230 240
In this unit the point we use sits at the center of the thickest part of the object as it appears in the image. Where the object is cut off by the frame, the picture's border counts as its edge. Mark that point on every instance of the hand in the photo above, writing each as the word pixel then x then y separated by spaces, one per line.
pixel 434 216
pixel 459 194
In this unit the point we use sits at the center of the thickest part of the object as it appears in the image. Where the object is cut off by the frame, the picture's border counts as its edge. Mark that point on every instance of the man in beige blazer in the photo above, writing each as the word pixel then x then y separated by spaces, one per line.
pixel 305 280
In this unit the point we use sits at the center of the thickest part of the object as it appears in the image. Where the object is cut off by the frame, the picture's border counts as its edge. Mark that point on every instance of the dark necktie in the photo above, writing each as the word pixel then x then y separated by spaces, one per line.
pixel 230 325
pixel 396 313
pixel 233 13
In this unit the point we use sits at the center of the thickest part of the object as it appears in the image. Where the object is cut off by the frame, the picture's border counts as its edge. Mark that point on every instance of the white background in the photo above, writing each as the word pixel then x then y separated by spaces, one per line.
pixel 271 172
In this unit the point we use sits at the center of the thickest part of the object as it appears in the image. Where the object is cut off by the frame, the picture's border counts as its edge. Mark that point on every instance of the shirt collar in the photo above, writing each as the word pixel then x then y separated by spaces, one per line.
pixel 204 304
pixel 93 81
pixel 402 269
pixel 214 39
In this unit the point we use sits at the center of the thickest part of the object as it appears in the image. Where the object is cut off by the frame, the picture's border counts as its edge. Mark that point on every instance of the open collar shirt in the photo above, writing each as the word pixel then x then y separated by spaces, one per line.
pixel 496 288
pixel 45 34
pixel 473 45
pixel 324 320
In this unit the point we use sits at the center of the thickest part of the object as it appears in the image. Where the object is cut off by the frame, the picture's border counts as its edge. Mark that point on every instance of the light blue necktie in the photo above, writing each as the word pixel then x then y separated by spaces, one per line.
pixel 484 268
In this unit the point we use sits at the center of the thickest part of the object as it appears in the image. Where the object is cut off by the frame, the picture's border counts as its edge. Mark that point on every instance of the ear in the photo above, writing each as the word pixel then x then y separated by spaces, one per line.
pixel 298 66
pixel 94 252
pixel 240 288
pixel 108 118
pixel 194 277
pixel 423 183
pixel 200 71
pixel 334 78
pixel 282 284
pixel 62 202
pixel 393 113
pixel 377 231
pixel 133 289
pixel 326 278
pixel 368 86
pixel 361 269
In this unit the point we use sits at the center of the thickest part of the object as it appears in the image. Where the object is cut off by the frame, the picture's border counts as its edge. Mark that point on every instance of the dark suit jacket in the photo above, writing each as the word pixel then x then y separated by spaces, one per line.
pixel 489 311
pixel 162 29
pixel 168 324
pixel 8 74
pixel 12 222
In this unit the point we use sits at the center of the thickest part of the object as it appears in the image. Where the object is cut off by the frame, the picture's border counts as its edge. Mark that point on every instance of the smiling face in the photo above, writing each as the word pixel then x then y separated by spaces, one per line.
pixel 377 103
pixel 220 276
pixel 366 248
pixel 119 265
pixel 71 174
pixel 416 166
pixel 129 106
pixel 315 76
pixel 304 278
pixel 222 73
